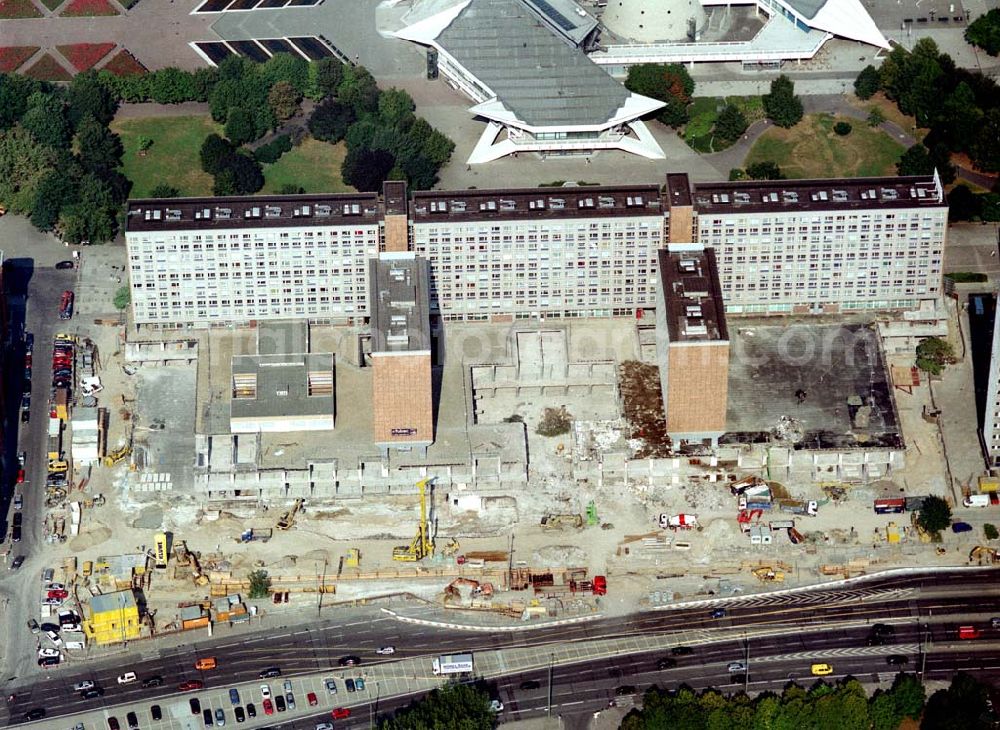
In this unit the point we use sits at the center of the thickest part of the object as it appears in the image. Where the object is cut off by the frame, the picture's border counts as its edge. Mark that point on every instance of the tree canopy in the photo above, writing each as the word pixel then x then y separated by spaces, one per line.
pixel 935 514
pixel 453 707
pixel 984 32
pixel 782 106
pixel 667 82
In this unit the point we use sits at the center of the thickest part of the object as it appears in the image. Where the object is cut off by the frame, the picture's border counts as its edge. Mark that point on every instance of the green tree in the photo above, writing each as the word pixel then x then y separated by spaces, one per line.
pixel 915 161
pixel 764 170
pixel 24 162
pixel 247 175
pixel 123 298
pixel 731 123
pixel 203 80
pixel 875 117
pixel 453 706
pixel 325 76
pixel 240 126
pixel 737 173
pixel 164 190
pixel 781 105
pixel 985 149
pixel 963 204
pixel 867 83
pixel 935 514
pixel 331 120
pixel 171 86
pixel 88 96
pixel 98 148
pixel 959 707
pixel 273 150
pixel 842 128
pixel 285 68
pixel 990 531
pixel 984 32
pixel 93 218
pixel 46 120
pixel 961 118
pixel 260 581
pixel 883 712
pixel 214 152
pixel 366 169
pixel 670 83
pixel 933 354
pixel 358 90
pixel 55 191
pixel 291 189
pixel 284 100
pixel 395 108
pixel 14 93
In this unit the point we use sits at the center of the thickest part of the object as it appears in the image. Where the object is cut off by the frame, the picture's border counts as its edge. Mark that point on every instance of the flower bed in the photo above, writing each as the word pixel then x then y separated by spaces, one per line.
pixel 84 55
pixel 18 9
pixel 89 8
pixel 123 63
pixel 12 57
pixel 47 68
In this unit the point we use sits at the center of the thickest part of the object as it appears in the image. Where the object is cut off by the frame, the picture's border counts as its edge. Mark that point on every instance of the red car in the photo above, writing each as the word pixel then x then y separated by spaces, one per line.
pixel 66 305
pixel 20 476
pixel 268 707
pixel 59 594
pixel 312 699
pixel 190 685
pixel 340 713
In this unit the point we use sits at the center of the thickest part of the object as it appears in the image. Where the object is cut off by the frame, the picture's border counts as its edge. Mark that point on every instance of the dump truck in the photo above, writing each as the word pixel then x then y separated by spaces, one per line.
pixel 756 500
pixel 256 533
pixel 799 507
pixel 559 521
pixel 452 664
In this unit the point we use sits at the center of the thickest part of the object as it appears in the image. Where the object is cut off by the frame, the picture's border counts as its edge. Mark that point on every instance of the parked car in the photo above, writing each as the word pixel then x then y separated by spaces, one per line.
pixel 496 705
pixel 48 652
pixel 156 712
pixel 18 501
pixel 194 704
pixel 220 717
pixel 20 476
pixel 360 684
pixel 290 700
pixel 240 715
pixel 50 628
pixel 113 723
pixel 17 562
pixel 133 721
pixel 59 594
pixel 234 696
pixel 64 265
pixel 265 691
pixel 15 536
pixel 311 699
pixel 279 703
pixel 349 683
pixel 49 661
pixel 207 717
pixel 268 707
pixel 33 627
pixel 53 636
pixel 331 685
pixel 251 710
pixel 66 305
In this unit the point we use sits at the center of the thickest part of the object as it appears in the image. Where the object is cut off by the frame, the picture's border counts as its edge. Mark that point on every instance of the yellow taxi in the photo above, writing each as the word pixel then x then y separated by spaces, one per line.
pixel 821 670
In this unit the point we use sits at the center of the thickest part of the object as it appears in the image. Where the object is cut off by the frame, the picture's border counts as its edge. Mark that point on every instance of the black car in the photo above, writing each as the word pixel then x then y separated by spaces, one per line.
pixel 25 416
pixel 113 723
pixel 251 709
pixel 896 660
pixel 349 683
pixel 26 398
pixel 156 712
pixel 270 672
pixel 18 562
pixel 48 661
pixel 874 640
pixel 195 706
pixel 154 681
pixel 279 703
pixel 349 661
pixel 92 694
pixel 17 519
pixel 530 684
pixel 625 690
pixel 36 714
pixel 682 651
pixel 240 715
pixel 133 721
pixel 29 341
pixel 209 719
pixel 666 663
pixel 15 533
pixel 883 630
pixel 64 265
pixel 50 627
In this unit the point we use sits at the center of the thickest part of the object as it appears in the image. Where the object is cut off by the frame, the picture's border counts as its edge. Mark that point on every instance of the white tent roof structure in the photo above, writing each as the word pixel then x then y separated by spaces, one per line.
pixel 844 18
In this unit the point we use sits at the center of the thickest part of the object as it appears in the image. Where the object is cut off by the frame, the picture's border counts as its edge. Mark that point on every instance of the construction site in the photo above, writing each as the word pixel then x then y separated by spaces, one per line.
pixel 206 496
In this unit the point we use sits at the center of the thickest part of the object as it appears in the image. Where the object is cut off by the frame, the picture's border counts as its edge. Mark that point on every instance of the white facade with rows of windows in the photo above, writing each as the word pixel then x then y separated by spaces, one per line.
pixel 577 267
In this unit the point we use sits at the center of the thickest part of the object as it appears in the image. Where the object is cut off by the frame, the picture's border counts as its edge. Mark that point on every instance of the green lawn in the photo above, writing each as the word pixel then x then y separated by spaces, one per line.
pixel 173 158
pixel 703 112
pixel 313 165
pixel 811 149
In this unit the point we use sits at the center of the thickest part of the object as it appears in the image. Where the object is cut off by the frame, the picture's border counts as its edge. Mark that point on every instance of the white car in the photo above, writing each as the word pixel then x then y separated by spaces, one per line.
pixel 265 692
pixel 54 638
pixel 386 650
pixel 55 587
pixel 127 678
pixel 324 726
pixel 85 684
pixel 47 652
pixel 52 601
pixel 496 705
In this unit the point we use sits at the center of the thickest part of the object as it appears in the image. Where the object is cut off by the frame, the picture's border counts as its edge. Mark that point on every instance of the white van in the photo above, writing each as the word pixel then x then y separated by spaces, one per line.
pixel 977 500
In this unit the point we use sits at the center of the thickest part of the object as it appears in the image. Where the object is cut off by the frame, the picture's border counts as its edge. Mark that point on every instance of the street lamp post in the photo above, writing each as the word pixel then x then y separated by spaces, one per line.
pixel 548 706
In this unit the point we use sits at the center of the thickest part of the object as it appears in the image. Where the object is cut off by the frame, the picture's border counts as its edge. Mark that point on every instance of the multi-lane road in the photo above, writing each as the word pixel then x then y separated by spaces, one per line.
pixel 783 634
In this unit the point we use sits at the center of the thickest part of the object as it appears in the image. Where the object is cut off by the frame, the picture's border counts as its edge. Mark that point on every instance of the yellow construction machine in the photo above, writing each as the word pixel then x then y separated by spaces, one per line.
pixel 288 518
pixel 422 545
pixel 119 454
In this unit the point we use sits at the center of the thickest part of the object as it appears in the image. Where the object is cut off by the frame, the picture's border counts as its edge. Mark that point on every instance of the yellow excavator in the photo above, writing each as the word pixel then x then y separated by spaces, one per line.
pixel 422 545
pixel 288 518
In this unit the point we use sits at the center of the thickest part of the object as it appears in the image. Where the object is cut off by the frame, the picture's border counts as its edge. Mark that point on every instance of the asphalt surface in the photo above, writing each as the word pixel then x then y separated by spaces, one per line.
pixel 33 306
pixel 942 600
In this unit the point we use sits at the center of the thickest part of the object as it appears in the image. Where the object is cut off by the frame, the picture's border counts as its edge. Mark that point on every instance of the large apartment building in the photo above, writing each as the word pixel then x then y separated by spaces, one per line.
pixel 805 246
